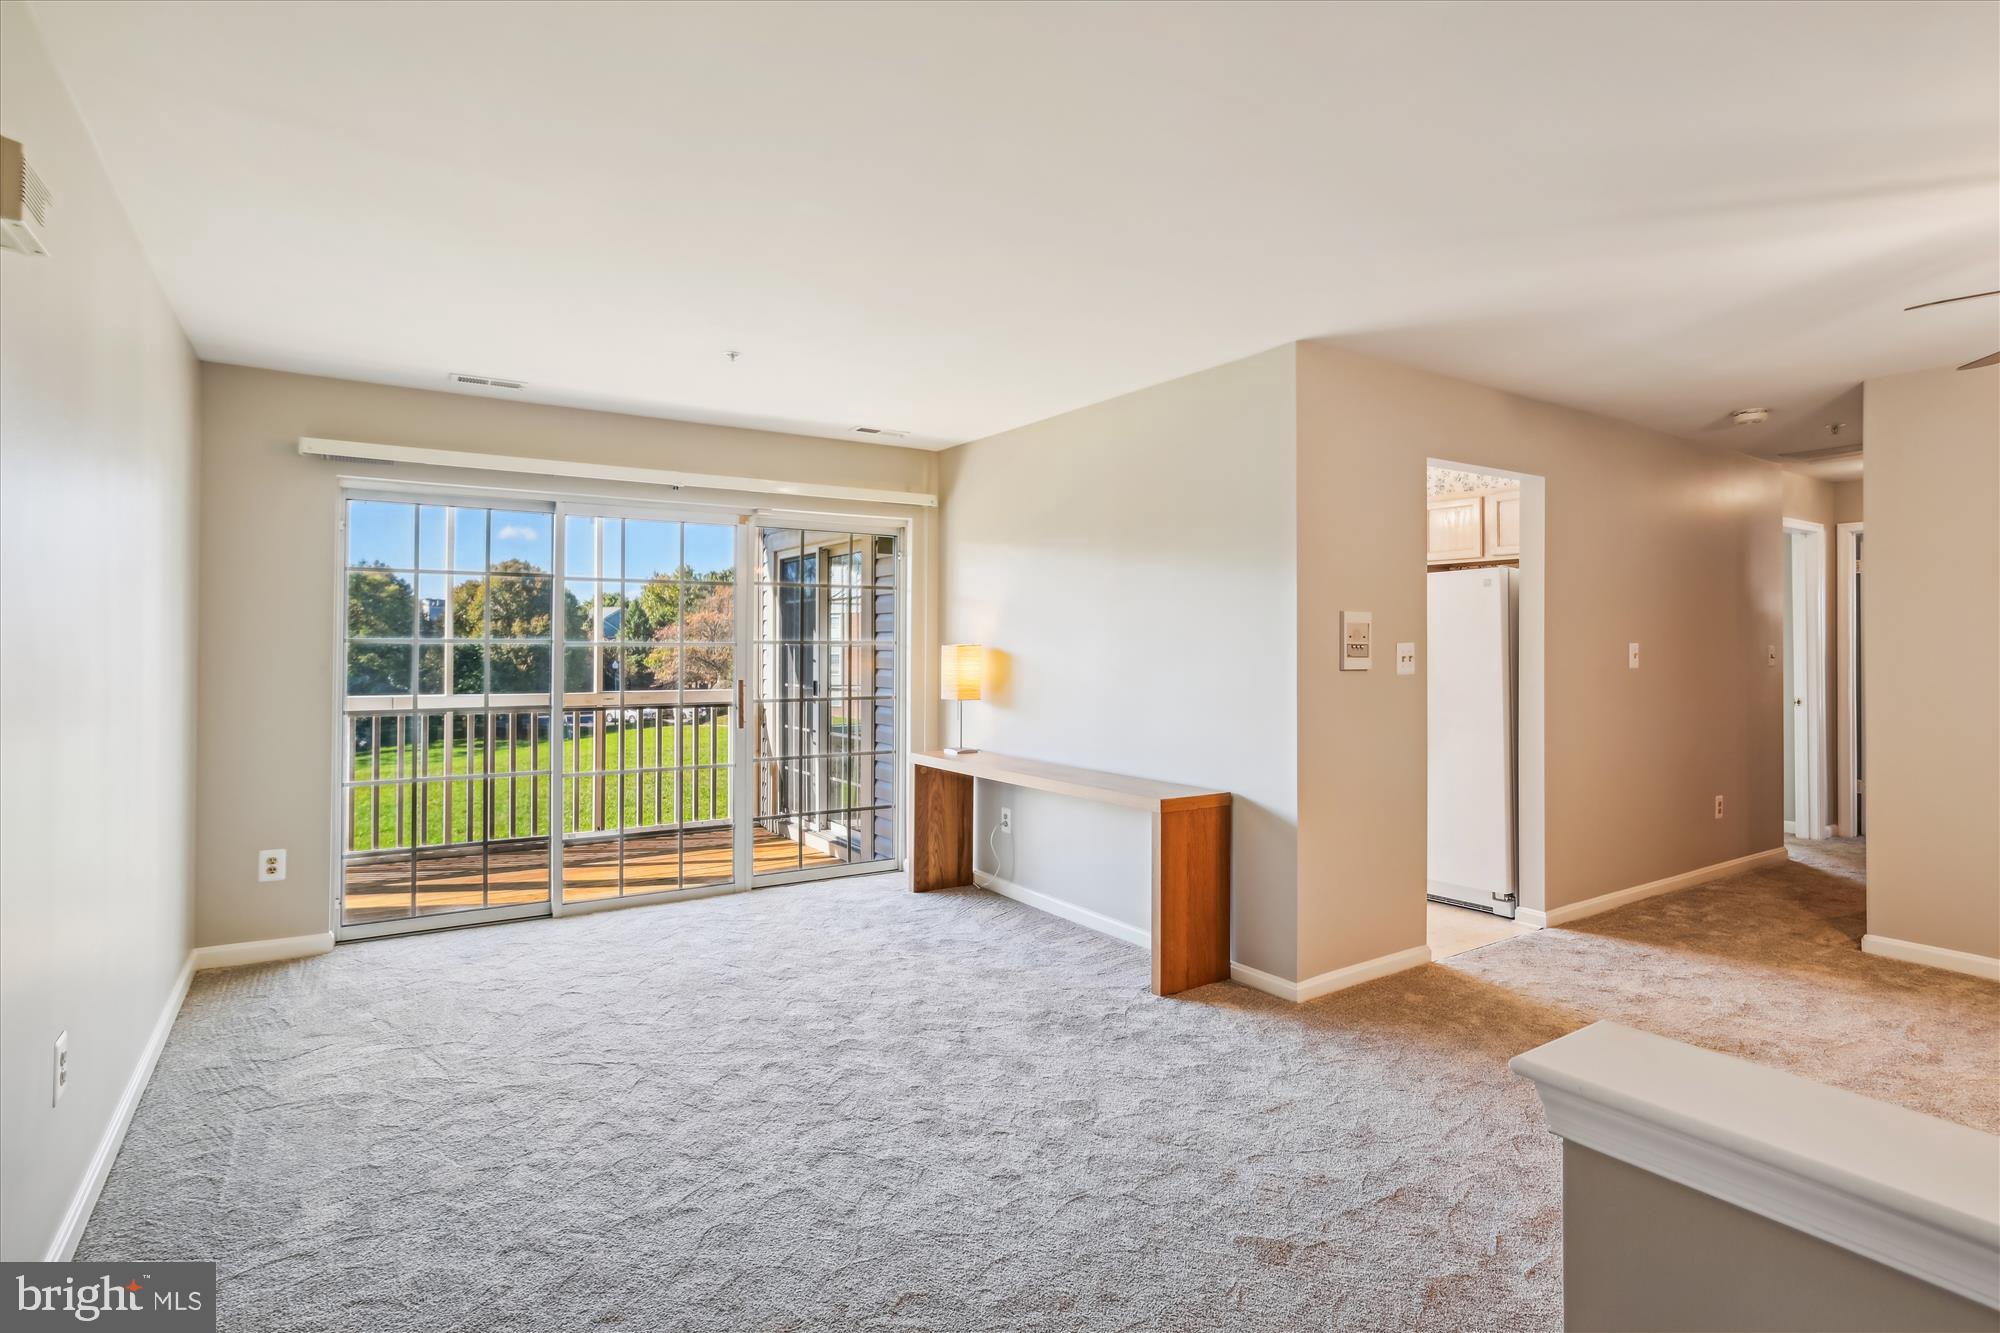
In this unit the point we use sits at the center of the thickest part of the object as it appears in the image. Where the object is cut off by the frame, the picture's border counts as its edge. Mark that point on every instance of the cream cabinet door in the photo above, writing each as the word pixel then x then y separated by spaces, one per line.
pixel 1503 524
pixel 1457 524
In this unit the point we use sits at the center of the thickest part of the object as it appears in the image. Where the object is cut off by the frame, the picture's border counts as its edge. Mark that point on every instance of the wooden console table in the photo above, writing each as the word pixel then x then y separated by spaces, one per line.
pixel 1190 915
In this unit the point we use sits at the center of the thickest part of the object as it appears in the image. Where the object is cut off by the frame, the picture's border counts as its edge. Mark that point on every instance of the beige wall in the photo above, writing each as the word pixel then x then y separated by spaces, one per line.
pixel 1647 538
pixel 1931 641
pixel 1133 561
pixel 269 576
pixel 1847 501
pixel 1631 1238
pixel 97 615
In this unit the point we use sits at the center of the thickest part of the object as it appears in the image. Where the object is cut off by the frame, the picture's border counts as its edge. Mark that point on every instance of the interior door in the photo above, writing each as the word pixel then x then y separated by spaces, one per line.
pixel 652 636
pixel 827 687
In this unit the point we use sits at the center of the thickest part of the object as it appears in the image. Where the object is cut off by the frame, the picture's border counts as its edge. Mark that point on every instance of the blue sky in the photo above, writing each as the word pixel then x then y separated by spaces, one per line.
pixel 406 536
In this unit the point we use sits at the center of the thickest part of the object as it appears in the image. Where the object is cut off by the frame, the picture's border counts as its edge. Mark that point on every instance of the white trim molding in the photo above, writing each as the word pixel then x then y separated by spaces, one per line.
pixel 261 951
pixel 1068 911
pixel 62 1246
pixel 1847 648
pixel 363 451
pixel 1808 649
pixel 1904 1189
pixel 1930 955
pixel 1604 902
pixel 1326 983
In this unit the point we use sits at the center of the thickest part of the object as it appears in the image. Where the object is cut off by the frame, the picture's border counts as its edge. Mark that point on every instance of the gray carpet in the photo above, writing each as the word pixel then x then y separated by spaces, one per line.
pixel 848 1106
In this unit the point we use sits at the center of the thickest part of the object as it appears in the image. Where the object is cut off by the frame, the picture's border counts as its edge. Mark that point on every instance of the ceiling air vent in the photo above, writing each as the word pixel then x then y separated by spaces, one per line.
pixel 24 202
pixel 884 432
pixel 486 382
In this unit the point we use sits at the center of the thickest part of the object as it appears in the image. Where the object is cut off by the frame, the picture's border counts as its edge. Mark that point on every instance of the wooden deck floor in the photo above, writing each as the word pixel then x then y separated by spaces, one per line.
pixel 461 880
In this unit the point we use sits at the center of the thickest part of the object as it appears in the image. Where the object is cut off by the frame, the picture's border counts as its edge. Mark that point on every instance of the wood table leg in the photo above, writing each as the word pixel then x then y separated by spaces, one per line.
pixel 941 829
pixel 1191 897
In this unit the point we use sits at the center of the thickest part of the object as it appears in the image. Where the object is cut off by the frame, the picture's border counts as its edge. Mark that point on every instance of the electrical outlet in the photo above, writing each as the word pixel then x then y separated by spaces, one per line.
pixel 1006 819
pixel 271 866
pixel 1771 654
pixel 1632 655
pixel 1718 807
pixel 61 1067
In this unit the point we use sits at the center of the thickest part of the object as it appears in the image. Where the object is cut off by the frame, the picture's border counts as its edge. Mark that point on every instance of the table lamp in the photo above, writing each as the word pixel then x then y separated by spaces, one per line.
pixel 960 671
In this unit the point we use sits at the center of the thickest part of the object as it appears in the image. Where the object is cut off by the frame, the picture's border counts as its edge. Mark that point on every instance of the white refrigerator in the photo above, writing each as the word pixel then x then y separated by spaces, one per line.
pixel 1470 687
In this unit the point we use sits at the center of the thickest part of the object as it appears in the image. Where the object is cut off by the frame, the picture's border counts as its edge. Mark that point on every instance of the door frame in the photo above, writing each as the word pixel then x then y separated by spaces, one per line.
pixel 559 503
pixel 1849 648
pixel 1809 815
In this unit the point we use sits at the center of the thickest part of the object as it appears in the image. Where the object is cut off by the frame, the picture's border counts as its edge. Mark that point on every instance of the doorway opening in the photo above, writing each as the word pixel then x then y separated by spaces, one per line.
pixel 1483 705
pixel 1804 702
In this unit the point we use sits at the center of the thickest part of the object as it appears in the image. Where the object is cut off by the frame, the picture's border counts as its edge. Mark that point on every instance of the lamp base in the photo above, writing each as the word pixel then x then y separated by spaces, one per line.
pixel 956 753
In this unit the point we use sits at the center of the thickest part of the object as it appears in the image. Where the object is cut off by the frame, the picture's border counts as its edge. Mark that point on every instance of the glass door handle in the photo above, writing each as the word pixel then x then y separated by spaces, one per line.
pixel 739 703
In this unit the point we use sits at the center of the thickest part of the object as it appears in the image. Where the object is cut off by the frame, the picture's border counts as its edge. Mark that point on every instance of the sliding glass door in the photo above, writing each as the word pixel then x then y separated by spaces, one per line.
pixel 545 707
pixel 446 746
pixel 650 713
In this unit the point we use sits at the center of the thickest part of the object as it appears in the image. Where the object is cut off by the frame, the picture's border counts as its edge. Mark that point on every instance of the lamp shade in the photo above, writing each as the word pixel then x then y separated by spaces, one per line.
pixel 961 670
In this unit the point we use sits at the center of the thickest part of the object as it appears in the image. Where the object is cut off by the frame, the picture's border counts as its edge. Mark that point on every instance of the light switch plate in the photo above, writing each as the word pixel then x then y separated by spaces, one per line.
pixel 1357 630
pixel 1632 656
pixel 1406 659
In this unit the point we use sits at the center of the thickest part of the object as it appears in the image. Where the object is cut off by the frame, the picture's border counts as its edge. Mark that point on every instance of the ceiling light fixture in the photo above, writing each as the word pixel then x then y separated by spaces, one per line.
pixel 1750 416
pixel 732 354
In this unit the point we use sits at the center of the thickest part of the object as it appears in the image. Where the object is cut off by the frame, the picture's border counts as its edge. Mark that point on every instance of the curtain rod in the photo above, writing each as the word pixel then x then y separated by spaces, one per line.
pixel 311 447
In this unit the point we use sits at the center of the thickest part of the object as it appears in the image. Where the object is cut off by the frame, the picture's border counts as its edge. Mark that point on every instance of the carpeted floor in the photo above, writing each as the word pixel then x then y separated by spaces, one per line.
pixel 851 1106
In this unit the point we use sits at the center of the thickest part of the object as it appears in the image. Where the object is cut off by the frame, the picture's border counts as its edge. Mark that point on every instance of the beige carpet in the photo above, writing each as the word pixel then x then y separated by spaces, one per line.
pixel 850 1106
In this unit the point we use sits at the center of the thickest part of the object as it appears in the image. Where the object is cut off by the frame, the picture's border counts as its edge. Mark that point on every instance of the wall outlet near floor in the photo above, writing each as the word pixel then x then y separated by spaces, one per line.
pixel 61 1066
pixel 1006 819
pixel 1718 807
pixel 271 866
pixel 1632 656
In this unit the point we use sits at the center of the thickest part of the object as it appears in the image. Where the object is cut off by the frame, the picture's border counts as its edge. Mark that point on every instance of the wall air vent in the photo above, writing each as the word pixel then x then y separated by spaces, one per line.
pixel 486 382
pixel 24 203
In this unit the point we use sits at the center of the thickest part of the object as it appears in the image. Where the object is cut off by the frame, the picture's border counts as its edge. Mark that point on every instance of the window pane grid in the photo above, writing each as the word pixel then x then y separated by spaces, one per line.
pixel 447 803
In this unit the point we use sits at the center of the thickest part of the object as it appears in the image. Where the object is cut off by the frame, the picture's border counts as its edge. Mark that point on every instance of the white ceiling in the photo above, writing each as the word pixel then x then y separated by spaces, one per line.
pixel 954 219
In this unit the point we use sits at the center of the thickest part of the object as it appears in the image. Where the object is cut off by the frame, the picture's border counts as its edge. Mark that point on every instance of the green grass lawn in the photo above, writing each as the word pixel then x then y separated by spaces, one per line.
pixel 506 773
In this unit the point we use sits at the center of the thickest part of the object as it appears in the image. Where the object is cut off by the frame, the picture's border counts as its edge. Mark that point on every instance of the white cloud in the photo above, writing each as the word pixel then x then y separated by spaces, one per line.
pixel 514 533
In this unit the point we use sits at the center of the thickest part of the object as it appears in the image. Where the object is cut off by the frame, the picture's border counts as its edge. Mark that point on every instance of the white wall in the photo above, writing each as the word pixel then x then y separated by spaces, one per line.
pixel 1930 626
pixel 97 640
pixel 1134 564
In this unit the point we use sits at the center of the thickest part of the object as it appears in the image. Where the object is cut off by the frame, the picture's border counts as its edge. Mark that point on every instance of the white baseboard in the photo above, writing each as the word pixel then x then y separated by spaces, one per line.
pixel 1604 902
pixel 63 1245
pixel 1068 911
pixel 1326 983
pixel 1930 955
pixel 262 951
pixel 1792 827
